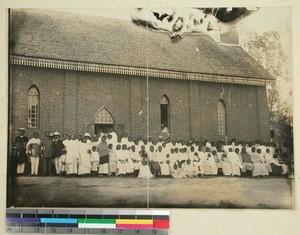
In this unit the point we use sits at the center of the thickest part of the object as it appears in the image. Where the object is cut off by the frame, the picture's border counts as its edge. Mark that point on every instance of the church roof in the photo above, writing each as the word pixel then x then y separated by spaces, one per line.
pixel 92 39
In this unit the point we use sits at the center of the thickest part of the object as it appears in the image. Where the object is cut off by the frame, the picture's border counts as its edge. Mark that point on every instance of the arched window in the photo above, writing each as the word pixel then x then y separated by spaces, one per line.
pixel 103 121
pixel 165 114
pixel 104 117
pixel 33 107
pixel 221 118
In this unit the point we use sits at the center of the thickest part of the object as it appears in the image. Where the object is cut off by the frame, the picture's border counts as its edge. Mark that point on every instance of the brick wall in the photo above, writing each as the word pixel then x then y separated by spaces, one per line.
pixel 50 84
pixel 69 101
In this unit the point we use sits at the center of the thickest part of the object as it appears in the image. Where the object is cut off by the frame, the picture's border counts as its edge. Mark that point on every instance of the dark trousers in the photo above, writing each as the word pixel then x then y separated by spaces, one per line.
pixel 47 165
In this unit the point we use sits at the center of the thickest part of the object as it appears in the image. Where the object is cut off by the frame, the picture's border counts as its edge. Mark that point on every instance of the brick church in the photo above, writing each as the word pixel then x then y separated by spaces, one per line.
pixel 73 74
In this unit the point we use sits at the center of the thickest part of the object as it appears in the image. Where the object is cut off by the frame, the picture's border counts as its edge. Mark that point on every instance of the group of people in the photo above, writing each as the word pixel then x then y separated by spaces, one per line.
pixel 106 155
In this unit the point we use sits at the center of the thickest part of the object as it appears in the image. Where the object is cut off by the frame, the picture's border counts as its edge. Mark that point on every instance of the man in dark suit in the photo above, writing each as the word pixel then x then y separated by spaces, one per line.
pixel 20 147
pixel 57 147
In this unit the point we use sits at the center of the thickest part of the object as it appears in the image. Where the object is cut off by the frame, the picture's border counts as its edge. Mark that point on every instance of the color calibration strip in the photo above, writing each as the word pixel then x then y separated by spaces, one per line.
pixel 79 221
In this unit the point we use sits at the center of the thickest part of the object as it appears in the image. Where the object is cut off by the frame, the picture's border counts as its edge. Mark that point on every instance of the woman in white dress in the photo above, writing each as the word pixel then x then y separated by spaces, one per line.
pixel 72 147
pixel 121 163
pixel 144 171
pixel 84 162
pixel 161 158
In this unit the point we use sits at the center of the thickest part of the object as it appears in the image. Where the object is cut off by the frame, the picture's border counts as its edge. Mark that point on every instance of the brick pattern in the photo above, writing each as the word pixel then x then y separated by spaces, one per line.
pixel 69 101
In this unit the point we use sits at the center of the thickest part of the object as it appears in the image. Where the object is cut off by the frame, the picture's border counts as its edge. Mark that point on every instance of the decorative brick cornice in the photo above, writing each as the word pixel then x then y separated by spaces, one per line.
pixel 134 71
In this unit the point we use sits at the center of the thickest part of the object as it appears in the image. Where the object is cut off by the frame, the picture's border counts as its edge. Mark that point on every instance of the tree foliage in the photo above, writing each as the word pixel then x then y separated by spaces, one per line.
pixel 266 48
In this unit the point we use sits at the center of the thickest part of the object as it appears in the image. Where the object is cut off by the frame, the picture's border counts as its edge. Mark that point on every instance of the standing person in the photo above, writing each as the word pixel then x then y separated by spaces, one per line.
pixel 20 146
pixel 114 136
pixel 57 147
pixel 102 149
pixel 33 149
pixel 112 160
pixel 72 147
pixel 161 158
pixel 47 153
pixel 62 163
pixel 94 161
pixel 84 162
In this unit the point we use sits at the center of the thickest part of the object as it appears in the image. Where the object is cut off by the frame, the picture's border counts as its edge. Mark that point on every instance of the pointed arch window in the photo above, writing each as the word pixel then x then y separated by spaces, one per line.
pixel 221 118
pixel 104 117
pixel 165 114
pixel 33 107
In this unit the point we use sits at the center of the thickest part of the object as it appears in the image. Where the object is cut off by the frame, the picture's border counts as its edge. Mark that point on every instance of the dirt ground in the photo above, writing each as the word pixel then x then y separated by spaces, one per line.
pixel 108 192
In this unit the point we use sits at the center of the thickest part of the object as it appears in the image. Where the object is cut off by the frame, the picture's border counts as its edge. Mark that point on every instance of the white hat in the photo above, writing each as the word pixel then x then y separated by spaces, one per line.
pixel 56 134
pixel 87 135
pixel 21 129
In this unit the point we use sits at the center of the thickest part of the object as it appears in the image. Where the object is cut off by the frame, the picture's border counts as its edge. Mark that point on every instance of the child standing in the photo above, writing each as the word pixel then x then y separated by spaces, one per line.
pixel 94 161
pixel 62 163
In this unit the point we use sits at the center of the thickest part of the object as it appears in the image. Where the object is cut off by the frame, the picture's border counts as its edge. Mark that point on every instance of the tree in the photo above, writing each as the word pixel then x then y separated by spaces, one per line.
pixel 267 50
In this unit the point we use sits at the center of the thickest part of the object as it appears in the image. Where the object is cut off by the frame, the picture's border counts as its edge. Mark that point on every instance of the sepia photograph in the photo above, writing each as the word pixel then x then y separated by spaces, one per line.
pixel 151 108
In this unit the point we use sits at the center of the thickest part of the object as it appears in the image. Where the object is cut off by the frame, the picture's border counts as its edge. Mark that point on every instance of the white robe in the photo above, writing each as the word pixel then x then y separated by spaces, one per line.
pixel 144 172
pixel 84 166
pixel 113 161
pixel 235 162
pixel 136 159
pixel 72 147
pixel 94 161
pixel 191 170
pixel 122 164
pixel 161 159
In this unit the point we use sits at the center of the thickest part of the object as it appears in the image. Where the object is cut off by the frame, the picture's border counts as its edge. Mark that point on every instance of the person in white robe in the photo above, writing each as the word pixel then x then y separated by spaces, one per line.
pixel 269 158
pixel 124 139
pixel 183 155
pixel 168 146
pixel 190 169
pixel 198 163
pixel 206 161
pixel 160 142
pixel 153 163
pixel 242 166
pixel 144 172
pixel 259 168
pixel 94 161
pixel 62 163
pixel 113 160
pixel 114 136
pixel 130 166
pixel 173 158
pixel 217 160
pixel 136 160
pixel 236 165
pixel 72 147
pixel 178 143
pixel 212 164
pixel 191 153
pixel 226 165
pixel 121 163
pixel 162 160
pixel 84 161
pixel 65 139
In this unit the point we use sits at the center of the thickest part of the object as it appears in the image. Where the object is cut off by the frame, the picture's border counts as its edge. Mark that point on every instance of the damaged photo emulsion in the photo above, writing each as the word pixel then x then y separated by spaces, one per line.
pixel 150 108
